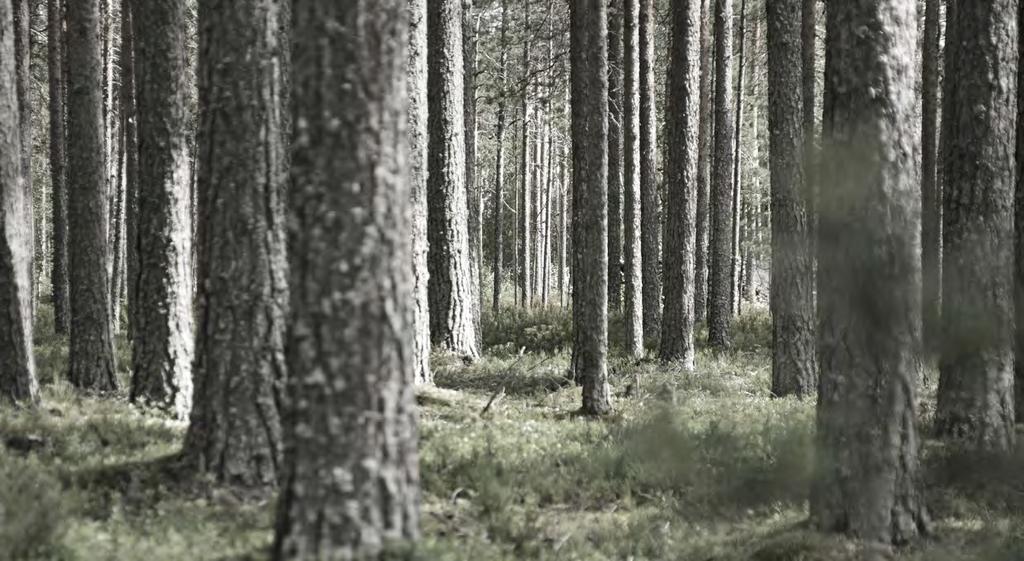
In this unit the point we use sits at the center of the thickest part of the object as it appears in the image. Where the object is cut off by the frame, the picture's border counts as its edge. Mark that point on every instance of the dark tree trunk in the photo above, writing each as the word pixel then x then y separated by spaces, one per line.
pixel 808 34
pixel 720 247
pixel 499 165
pixel 131 163
pixel 162 329
pixel 351 479
pixel 704 138
pixel 452 323
pixel 792 278
pixel 616 139
pixel 92 349
pixel 469 45
pixel 235 430
pixel 682 122
pixel 650 205
pixel 868 482
pixel 418 138
pixel 17 375
pixel 58 164
pixel 588 50
pixel 931 198
pixel 1019 238
pixel 633 309
pixel 975 400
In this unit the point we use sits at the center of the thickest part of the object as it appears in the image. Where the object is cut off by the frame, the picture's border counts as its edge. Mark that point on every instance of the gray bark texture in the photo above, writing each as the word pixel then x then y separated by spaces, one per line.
pixel 720 245
pixel 350 479
pixel 633 308
pixel 1018 204
pixel 58 165
pixel 794 370
pixel 23 10
pixel 499 166
pixel 704 138
pixel 130 130
pixel 163 343
pixel 931 196
pixel 868 483
pixel 18 382
pixel 469 50
pixel 235 430
pixel 588 52
pixel 417 95
pixel 616 140
pixel 525 200
pixel 453 325
pixel 682 124
pixel 976 367
pixel 650 195
pixel 92 348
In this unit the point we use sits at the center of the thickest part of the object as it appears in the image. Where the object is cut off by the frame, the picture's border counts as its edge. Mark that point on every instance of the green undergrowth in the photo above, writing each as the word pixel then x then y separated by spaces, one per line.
pixel 691 466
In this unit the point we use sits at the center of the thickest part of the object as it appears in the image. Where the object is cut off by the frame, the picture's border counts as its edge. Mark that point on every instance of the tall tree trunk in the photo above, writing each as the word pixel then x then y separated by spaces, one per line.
pixel 23 57
pixel 931 197
pixel 58 165
pixel 808 48
pixel 162 330
pixel 92 349
pixel 616 139
pixel 633 308
pixel 704 140
pixel 418 140
pixel 975 400
pixel 650 197
pixel 588 53
pixel 525 203
pixel 737 162
pixel 17 376
pixel 720 247
pixel 868 479
pixel 452 322
pixel 1018 204
pixel 792 278
pixel 235 429
pixel 351 480
pixel 469 45
pixel 499 164
pixel 131 163
pixel 682 122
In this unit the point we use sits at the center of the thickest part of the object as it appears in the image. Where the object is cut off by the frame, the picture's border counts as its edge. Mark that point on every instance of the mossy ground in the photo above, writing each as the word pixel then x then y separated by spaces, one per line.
pixel 701 466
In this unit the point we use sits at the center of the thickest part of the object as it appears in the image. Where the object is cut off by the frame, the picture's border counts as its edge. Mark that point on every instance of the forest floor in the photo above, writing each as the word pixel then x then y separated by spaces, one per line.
pixel 697 467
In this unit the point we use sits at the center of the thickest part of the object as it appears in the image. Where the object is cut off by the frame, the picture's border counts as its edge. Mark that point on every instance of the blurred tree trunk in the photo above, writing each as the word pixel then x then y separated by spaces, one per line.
pixel 235 430
pixel 704 138
pixel 588 53
pixel 1019 237
pixel 682 124
pixel 633 310
pixel 931 197
pixel 418 140
pixel 975 399
pixel 650 197
pixel 808 36
pixel 453 325
pixel 868 483
pixel 92 349
pixel 351 480
pixel 792 275
pixel 720 282
pixel 616 139
pixel 18 382
pixel 58 165
pixel 499 164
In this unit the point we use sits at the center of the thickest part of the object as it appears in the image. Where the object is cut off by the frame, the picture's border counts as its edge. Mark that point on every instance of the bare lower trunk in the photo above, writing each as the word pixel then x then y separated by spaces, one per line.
pixel 650 196
pixel 616 139
pixel 417 89
pixel 720 282
pixel 58 165
pixel 631 201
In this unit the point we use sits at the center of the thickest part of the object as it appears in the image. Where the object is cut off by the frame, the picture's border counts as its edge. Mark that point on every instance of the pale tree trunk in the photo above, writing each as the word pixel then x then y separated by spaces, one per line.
pixel 525 203
pixel 682 122
pixel 720 246
pixel 1018 204
pixel 737 170
pixel 704 139
pixel 616 139
pixel 650 198
pixel 633 308
pixel 23 55
pixel 350 482
pixel 975 400
pixel 235 430
pixel 499 165
pixel 58 165
pixel 418 139
pixel 589 85
pixel 931 196
pixel 469 46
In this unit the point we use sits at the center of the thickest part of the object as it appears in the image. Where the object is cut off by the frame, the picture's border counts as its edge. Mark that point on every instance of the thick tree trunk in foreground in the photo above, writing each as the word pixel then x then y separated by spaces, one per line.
pixel 792 279
pixel 650 205
pixel 589 86
pixel 975 399
pixel 720 246
pixel 931 197
pixel 417 95
pixel 453 326
pixel 92 349
pixel 616 140
pixel 868 482
pixel 1019 238
pixel 17 367
pixel 351 479
pixel 704 138
pixel 235 430
pixel 683 117
pixel 631 200
pixel 163 342
pixel 58 165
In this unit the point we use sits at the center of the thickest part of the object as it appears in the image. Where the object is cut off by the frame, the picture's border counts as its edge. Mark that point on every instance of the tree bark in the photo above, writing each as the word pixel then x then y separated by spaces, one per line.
pixel 737 166
pixel 792 279
pixel 1018 204
pixel 499 165
pixel 23 57
pixel 131 163
pixel 235 430
pixel 650 196
pixel 469 45
pixel 17 376
pixel 92 349
pixel 633 309
pixel 351 480
pixel 683 117
pixel 616 140
pixel 867 483
pixel 588 50
pixel 809 46
pixel 58 165
pixel 418 140
pixel 525 202
pixel 975 400
pixel 720 282
pixel 931 197
pixel 704 139
pixel 452 323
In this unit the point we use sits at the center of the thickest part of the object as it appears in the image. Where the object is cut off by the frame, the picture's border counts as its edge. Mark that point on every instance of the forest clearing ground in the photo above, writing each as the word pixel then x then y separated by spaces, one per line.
pixel 701 466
